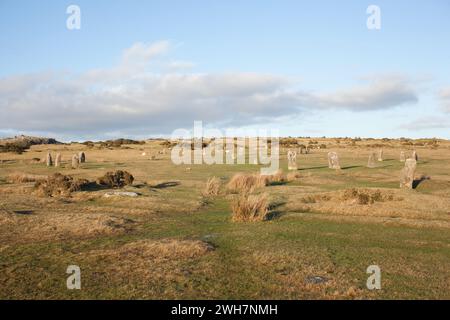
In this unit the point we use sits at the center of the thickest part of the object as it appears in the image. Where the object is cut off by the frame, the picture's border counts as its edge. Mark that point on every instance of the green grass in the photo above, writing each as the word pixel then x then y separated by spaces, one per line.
pixel 344 250
pixel 260 260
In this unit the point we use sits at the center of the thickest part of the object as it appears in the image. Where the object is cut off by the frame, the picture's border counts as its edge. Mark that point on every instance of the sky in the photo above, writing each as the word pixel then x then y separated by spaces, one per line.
pixel 140 69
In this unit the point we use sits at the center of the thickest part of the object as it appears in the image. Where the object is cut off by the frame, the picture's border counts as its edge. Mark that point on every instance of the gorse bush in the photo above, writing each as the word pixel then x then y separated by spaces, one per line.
pixel 118 143
pixel 366 196
pixel 15 147
pixel 59 184
pixel 117 179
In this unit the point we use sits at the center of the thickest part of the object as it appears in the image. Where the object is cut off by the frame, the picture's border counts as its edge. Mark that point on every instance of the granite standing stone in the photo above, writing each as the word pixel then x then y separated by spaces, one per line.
pixel 58 160
pixel 292 160
pixel 333 160
pixel 371 162
pixel 75 161
pixel 49 160
pixel 407 174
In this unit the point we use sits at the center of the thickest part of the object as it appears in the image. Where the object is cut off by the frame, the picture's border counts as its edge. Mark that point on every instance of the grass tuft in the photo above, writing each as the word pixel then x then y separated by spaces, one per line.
pixel 248 208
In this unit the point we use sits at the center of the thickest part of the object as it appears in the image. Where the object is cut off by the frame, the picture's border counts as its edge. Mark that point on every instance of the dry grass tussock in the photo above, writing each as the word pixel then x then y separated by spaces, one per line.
pixel 293 176
pixel 25 177
pixel 247 208
pixel 366 196
pixel 57 226
pixel 212 187
pixel 418 209
pixel 351 196
pixel 247 183
pixel 154 265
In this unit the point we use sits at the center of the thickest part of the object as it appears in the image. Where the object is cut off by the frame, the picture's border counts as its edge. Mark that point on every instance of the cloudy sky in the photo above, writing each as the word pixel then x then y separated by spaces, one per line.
pixel 145 68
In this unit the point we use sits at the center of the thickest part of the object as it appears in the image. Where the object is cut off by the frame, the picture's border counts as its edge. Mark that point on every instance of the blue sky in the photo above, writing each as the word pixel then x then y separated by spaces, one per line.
pixel 144 68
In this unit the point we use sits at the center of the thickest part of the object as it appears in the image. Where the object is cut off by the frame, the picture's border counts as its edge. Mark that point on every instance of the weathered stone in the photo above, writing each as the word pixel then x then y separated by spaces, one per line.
pixel 292 160
pixel 75 161
pixel 380 155
pixel 402 156
pixel 407 174
pixel 371 163
pixel 49 160
pixel 333 160
pixel 81 157
pixel 58 160
pixel 121 194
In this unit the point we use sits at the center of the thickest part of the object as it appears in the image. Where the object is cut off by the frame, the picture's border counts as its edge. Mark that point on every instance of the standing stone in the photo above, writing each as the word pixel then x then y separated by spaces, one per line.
pixel 380 155
pixel 49 160
pixel 333 160
pixel 81 157
pixel 58 160
pixel 371 163
pixel 415 156
pixel 75 161
pixel 407 174
pixel 292 160
pixel 402 156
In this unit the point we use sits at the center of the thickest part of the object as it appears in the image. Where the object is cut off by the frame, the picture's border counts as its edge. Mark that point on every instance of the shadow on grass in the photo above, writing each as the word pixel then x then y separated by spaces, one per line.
pixel 419 181
pixel 93 186
pixel 274 210
pixel 312 168
pixel 385 166
pixel 351 167
pixel 24 212
pixel 168 184
pixel 278 183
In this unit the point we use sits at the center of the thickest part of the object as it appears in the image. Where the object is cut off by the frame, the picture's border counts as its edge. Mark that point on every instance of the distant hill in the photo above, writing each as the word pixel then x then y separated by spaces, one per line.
pixel 21 143
pixel 29 140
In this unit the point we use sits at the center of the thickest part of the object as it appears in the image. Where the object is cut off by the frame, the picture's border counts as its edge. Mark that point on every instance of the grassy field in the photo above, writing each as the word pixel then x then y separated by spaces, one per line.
pixel 171 242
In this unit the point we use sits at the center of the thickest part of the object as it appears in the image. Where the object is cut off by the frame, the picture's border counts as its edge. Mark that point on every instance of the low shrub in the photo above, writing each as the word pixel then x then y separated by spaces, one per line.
pixel 59 184
pixel 366 197
pixel 117 179
pixel 15 147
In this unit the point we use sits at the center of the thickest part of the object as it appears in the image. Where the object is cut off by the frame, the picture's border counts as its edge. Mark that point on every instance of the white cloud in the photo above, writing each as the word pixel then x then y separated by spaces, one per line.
pixel 380 93
pixel 141 53
pixel 425 123
pixel 131 98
